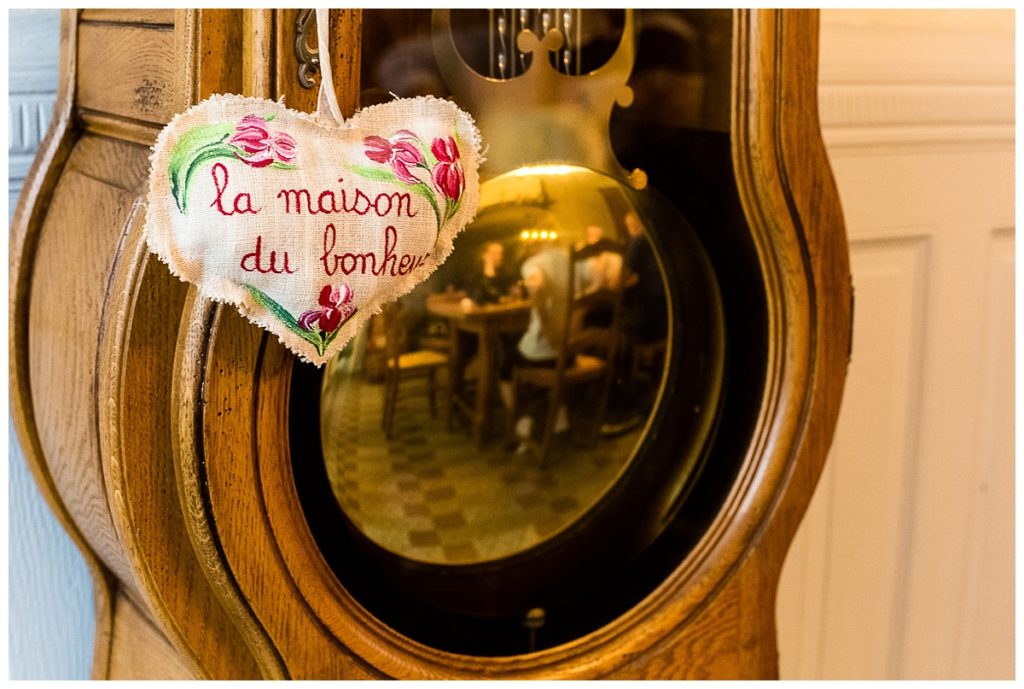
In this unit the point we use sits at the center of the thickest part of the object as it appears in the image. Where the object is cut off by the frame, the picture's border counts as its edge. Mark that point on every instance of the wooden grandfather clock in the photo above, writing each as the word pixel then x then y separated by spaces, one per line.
pixel 245 515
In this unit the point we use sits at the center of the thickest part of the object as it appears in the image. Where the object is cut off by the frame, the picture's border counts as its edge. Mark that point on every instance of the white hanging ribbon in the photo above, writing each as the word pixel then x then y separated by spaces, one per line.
pixel 327 101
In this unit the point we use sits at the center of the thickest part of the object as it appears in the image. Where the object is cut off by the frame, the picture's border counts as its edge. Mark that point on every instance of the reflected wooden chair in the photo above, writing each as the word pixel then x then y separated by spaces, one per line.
pixel 586 355
pixel 648 356
pixel 376 353
pixel 401 365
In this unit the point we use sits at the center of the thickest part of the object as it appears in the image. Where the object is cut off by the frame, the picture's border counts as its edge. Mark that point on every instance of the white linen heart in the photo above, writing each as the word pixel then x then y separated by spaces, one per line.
pixel 310 228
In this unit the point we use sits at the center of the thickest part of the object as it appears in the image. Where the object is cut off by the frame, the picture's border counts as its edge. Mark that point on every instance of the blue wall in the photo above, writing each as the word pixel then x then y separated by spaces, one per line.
pixel 49 588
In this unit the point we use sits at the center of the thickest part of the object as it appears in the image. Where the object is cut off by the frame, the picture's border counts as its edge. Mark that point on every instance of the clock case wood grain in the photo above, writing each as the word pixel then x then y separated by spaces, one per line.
pixel 156 423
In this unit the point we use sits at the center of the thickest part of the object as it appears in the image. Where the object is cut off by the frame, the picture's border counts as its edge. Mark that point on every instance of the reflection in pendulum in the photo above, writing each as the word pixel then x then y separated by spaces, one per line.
pixel 501 48
pixel 506 60
pixel 524 22
pixel 579 39
pixel 566 33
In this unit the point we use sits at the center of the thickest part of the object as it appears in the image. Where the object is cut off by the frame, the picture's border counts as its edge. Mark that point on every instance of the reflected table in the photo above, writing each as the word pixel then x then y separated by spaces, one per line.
pixel 487 322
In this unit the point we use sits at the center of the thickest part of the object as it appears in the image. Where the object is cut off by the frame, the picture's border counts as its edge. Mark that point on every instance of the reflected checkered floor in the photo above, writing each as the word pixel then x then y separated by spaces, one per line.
pixel 431 495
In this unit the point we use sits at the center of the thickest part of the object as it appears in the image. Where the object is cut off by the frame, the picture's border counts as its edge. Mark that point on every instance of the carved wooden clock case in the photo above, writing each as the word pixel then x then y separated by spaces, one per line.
pixel 179 444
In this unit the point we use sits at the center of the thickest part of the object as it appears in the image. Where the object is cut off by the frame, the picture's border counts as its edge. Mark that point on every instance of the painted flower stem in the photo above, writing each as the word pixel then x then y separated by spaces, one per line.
pixel 319 327
pixel 204 155
pixel 250 142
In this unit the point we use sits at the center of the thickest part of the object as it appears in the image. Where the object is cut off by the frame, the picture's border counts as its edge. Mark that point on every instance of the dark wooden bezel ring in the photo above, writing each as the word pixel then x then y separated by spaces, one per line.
pixel 241 387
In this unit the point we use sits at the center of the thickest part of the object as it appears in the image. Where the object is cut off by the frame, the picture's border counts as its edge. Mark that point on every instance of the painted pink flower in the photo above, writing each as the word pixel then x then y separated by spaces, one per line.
pixel 400 152
pixel 283 147
pixel 335 309
pixel 252 136
pixel 448 175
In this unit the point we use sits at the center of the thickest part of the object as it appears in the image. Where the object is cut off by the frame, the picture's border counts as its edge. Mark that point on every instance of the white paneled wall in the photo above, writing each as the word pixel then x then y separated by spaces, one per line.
pixel 50 592
pixel 904 565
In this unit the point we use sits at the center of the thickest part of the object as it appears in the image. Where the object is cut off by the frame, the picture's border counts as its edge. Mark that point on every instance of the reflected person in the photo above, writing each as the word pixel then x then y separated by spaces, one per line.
pixel 645 321
pixel 546 279
pixel 488 282
pixel 485 284
pixel 599 262
pixel 646 308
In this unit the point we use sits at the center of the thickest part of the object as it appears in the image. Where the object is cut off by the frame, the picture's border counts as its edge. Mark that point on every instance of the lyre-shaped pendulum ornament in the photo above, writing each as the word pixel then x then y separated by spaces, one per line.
pixel 543 115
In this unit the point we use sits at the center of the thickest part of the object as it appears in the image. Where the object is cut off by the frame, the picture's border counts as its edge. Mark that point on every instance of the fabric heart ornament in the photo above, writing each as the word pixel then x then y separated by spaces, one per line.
pixel 309 225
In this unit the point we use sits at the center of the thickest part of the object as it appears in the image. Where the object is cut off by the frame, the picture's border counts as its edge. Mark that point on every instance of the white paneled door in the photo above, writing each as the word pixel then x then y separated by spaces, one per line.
pixel 904 565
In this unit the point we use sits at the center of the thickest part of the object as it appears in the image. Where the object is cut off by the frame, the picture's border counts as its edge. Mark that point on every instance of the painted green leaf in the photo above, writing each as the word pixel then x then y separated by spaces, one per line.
pixel 454 208
pixel 428 156
pixel 330 338
pixel 204 155
pixel 188 146
pixel 424 191
pixel 283 315
pixel 378 174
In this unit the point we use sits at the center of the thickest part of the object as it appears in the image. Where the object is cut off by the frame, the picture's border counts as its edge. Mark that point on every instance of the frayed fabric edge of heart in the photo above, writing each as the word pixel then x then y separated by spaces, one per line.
pixel 160 238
